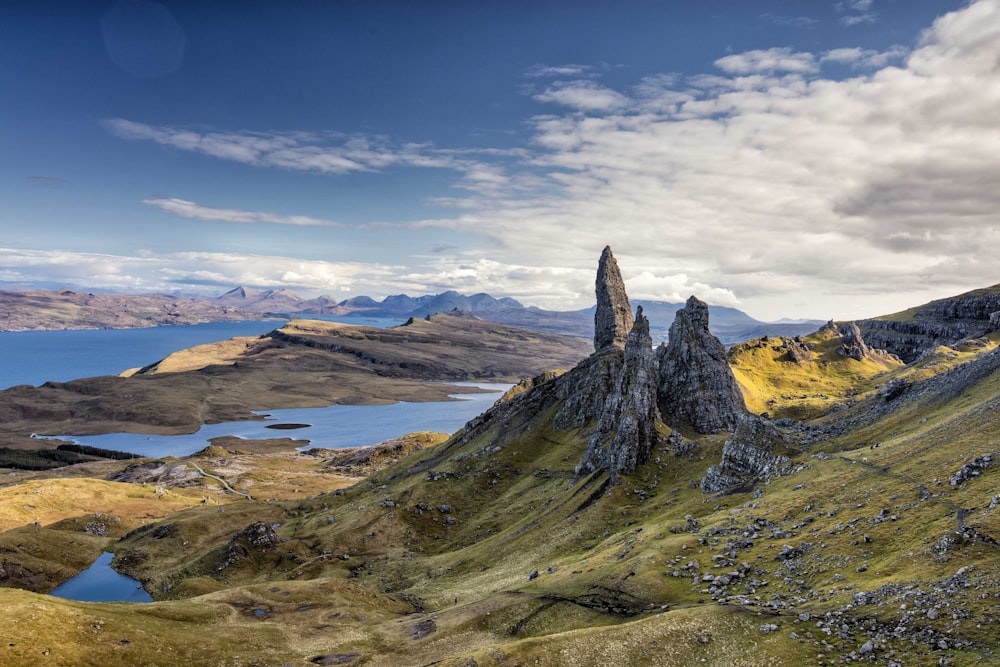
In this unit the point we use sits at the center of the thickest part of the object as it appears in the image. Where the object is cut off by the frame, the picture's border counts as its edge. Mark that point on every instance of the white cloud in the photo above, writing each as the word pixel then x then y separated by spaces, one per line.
pixel 778 59
pixel 582 95
pixel 773 184
pixel 206 272
pixel 858 57
pixel 856 12
pixel 767 184
pixel 193 211
pixel 542 71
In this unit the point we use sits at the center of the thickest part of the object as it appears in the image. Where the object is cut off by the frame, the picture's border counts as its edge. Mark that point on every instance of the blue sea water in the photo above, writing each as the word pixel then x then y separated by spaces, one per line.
pixel 332 427
pixel 35 357
pixel 101 583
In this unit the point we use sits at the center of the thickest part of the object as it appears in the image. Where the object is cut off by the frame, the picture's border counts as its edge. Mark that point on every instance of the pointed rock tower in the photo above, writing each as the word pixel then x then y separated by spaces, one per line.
pixel 613 317
pixel 626 432
pixel 697 387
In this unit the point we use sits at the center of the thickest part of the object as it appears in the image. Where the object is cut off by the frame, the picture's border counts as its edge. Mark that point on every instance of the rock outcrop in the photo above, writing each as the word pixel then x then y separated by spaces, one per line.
pixel 943 322
pixel 626 432
pixel 613 317
pixel 853 344
pixel 697 388
pixel 618 394
pixel 752 454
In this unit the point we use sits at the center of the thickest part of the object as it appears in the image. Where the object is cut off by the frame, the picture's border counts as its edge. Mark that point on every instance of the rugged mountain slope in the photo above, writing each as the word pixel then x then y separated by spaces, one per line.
pixel 943 322
pixel 541 534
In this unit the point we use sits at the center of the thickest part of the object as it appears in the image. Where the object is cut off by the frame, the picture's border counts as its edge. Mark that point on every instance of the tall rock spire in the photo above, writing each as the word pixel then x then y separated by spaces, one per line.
pixel 626 432
pixel 613 318
pixel 697 387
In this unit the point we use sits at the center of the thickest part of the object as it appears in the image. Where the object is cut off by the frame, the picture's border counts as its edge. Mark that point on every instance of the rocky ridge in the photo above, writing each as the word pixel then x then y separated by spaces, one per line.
pixel 942 322
pixel 626 388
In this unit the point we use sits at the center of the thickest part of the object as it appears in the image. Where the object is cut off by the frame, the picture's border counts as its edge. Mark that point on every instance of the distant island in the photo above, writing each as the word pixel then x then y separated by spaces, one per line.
pixel 40 310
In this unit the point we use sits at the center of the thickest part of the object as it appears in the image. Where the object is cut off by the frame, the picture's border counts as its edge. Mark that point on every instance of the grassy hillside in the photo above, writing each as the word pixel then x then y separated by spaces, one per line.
pixel 882 545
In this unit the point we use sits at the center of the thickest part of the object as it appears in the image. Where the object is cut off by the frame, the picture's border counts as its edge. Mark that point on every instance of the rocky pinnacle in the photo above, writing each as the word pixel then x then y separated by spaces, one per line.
pixel 626 432
pixel 613 318
pixel 697 387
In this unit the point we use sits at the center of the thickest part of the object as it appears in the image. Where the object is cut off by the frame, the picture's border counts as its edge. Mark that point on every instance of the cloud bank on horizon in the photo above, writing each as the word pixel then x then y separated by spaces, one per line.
pixel 785 182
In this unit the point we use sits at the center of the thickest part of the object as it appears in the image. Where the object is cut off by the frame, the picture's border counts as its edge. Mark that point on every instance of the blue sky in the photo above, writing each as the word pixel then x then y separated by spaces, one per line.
pixel 825 159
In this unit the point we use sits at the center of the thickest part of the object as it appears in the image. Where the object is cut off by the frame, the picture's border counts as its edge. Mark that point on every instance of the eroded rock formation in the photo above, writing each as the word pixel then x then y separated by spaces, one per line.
pixel 696 386
pixel 613 317
pixel 752 454
pixel 626 432
pixel 942 322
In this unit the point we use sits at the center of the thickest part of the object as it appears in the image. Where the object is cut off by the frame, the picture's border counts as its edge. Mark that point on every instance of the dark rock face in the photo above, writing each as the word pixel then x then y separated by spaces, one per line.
pixel 696 386
pixel 257 537
pixel 854 345
pixel 750 455
pixel 613 318
pixel 941 322
pixel 626 433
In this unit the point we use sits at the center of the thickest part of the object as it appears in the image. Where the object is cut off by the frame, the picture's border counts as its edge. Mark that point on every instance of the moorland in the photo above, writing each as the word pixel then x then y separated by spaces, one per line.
pixel 820 499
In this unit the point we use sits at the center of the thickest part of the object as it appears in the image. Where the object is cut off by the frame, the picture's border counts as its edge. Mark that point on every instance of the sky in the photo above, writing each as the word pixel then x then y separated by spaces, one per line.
pixel 825 159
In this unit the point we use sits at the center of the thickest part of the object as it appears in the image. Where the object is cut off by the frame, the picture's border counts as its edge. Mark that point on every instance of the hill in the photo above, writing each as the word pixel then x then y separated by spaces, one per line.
pixel 729 324
pixel 635 509
pixel 306 363
pixel 66 309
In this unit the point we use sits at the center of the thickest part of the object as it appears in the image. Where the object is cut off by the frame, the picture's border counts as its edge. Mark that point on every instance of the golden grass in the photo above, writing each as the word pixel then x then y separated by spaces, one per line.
pixel 772 382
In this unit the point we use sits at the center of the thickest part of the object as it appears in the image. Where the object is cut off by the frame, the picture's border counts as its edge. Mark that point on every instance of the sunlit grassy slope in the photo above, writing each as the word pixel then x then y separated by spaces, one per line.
pixel 773 381
pixel 489 549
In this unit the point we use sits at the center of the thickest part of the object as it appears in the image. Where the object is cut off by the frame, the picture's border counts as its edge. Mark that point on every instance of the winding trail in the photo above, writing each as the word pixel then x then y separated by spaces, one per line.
pixel 224 483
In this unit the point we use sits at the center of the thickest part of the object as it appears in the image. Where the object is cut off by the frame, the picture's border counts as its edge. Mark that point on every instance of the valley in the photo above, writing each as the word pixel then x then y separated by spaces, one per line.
pixel 804 500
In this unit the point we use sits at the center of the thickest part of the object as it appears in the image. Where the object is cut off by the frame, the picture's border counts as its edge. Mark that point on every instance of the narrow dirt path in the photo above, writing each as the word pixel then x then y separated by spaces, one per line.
pixel 224 483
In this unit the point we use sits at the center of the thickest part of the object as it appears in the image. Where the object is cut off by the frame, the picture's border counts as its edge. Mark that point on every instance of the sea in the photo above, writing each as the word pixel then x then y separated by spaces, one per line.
pixel 36 357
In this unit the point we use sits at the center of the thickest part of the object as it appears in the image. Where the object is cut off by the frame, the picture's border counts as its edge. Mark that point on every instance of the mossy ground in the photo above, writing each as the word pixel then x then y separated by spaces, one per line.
pixel 492 549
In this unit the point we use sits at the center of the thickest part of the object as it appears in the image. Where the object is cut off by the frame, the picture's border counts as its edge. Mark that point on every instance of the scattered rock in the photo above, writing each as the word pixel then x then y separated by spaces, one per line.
pixel 973 468
pixel 422 629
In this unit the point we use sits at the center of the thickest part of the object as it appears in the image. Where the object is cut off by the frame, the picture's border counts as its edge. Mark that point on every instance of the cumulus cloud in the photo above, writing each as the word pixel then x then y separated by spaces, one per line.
pixel 582 95
pixel 777 59
pixel 768 184
pixel 193 211
pixel 777 183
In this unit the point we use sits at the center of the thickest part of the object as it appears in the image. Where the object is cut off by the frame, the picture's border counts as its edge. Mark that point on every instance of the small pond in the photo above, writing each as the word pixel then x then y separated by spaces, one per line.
pixel 101 583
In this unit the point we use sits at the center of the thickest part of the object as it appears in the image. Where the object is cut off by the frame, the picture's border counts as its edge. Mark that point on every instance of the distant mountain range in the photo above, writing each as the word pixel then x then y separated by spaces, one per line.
pixel 729 324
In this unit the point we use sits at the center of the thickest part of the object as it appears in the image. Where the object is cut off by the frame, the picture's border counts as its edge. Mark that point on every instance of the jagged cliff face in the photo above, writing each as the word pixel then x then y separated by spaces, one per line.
pixel 613 318
pixel 941 322
pixel 625 387
pixel 696 385
pixel 626 432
